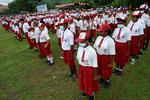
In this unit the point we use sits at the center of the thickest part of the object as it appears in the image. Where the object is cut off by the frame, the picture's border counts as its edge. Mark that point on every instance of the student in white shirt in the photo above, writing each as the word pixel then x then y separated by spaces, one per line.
pixel 45 44
pixel 87 72
pixel 83 24
pixel 146 19
pixel 25 31
pixel 18 32
pixel 67 45
pixel 93 27
pixel 136 30
pixel 105 48
pixel 58 33
pixel 122 38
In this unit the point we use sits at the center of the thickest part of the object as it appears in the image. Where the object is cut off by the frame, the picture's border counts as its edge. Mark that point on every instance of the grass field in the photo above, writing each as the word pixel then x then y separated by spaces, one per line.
pixel 24 76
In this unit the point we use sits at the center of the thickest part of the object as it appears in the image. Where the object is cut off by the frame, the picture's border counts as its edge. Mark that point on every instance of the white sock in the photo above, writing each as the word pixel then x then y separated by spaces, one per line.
pixel 51 60
pixel 48 59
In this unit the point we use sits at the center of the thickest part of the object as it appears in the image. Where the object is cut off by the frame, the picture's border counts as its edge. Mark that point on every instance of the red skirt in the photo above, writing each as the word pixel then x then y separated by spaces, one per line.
pixel 28 39
pixel 46 50
pixel 147 33
pixel 121 54
pixel 142 42
pixel 86 82
pixel 93 33
pixel 103 69
pixel 59 42
pixel 19 36
pixel 134 45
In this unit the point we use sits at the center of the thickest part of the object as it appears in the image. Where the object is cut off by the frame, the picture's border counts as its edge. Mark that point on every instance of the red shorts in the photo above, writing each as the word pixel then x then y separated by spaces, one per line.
pixel 134 45
pixel 142 42
pixel 46 50
pixel 121 54
pixel 103 69
pixel 86 82
pixel 93 33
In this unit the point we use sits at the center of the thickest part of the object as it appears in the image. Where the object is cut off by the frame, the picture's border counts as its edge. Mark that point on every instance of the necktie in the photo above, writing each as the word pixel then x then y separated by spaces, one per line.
pixel 132 27
pixel 83 55
pixel 101 42
pixel 118 37
pixel 63 37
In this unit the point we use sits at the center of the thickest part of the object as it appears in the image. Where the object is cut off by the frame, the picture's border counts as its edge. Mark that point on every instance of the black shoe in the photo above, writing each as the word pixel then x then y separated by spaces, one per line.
pixel 140 53
pixel 91 98
pixel 115 70
pixel 47 61
pixel 106 84
pixel 119 73
pixel 83 94
pixel 74 77
pixel 101 80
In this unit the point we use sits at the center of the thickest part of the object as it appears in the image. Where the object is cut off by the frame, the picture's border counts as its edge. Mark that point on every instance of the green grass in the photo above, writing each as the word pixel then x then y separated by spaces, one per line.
pixel 24 76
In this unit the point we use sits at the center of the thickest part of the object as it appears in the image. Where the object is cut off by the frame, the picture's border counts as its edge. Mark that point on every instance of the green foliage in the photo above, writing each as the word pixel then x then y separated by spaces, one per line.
pixel 116 3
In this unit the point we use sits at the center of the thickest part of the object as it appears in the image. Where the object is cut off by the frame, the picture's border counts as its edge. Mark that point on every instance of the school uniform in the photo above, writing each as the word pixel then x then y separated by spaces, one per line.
pixel 121 37
pixel 87 59
pixel 67 40
pixel 105 47
pixel 18 33
pixel 83 25
pixel 136 30
pixel 93 27
pixel 25 30
pixel 44 38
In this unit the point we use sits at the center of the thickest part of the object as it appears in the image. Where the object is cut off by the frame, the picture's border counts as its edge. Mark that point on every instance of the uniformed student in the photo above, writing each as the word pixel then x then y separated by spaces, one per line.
pixel 122 38
pixel 45 44
pixel 136 29
pixel 87 72
pixel 67 44
pixel 105 48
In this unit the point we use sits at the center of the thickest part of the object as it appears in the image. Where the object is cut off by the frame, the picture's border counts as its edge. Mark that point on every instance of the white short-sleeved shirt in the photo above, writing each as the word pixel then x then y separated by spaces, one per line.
pixel 146 18
pixel 37 33
pixel 31 35
pixel 107 46
pixel 44 37
pixel 67 39
pixel 59 32
pixel 124 35
pixel 17 29
pixel 83 25
pixel 90 57
pixel 137 28
pixel 26 27
pixel 93 25
pixel 73 28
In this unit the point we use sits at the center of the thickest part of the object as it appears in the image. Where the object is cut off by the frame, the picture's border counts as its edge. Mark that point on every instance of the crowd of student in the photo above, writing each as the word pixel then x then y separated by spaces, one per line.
pixel 114 40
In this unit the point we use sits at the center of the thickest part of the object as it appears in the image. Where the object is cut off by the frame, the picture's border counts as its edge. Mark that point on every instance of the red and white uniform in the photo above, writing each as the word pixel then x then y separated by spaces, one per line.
pixel 44 38
pixel 121 37
pixel 25 30
pixel 105 47
pixel 93 27
pixel 87 59
pixel 136 30
pixel 67 40
pixel 83 25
